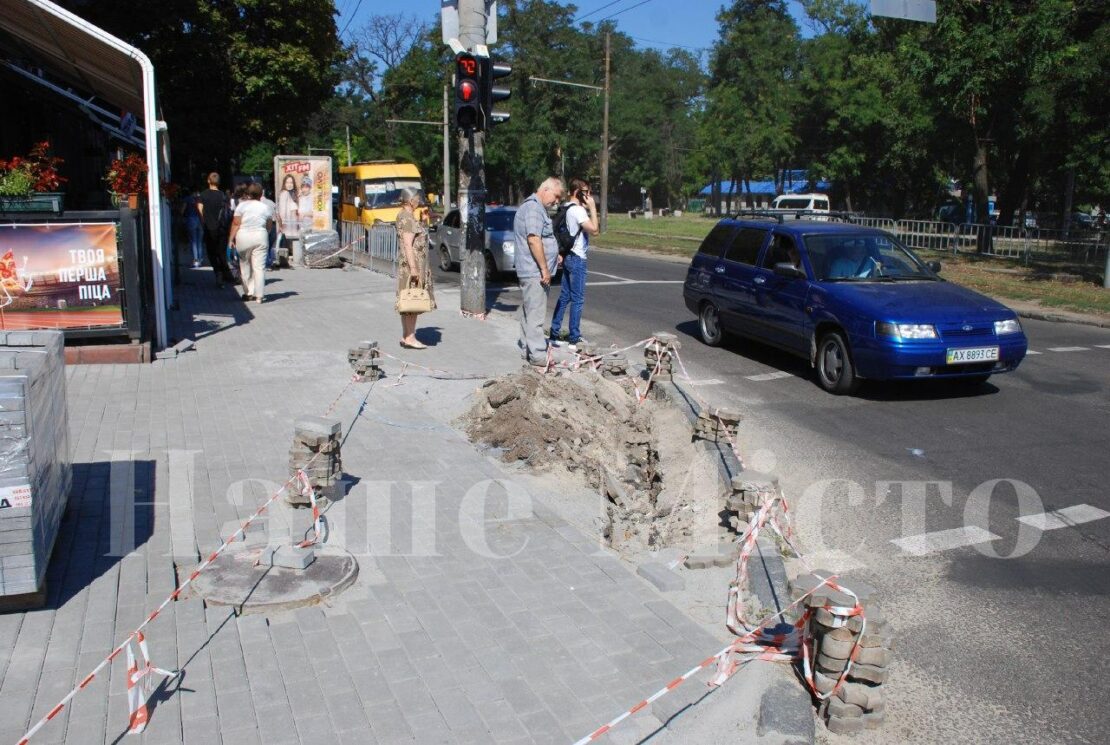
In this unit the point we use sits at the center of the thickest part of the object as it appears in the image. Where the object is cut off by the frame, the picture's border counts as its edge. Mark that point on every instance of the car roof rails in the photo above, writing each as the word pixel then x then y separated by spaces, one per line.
pixel 758 215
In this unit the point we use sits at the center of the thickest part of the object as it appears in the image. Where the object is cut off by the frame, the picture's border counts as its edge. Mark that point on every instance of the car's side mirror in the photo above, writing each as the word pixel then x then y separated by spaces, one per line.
pixel 788 270
pixel 358 205
pixel 934 267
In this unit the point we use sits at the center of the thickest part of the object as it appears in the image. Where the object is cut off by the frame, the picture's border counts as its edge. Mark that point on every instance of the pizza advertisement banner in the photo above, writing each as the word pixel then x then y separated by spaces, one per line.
pixel 63 276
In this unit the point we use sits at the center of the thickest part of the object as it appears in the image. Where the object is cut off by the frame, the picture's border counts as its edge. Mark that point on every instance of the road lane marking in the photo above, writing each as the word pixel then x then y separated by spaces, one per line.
pixel 711 381
pixel 1068 349
pixel 1030 351
pixel 610 276
pixel 1103 346
pixel 769 376
pixel 1064 518
pixel 944 540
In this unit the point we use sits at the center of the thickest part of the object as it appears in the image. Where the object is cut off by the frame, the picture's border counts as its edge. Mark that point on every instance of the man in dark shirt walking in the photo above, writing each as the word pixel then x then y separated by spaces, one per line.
pixel 212 204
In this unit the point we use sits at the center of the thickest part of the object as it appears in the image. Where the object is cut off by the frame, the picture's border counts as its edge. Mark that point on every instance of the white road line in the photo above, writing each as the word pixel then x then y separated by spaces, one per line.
pixel 711 381
pixel 610 276
pixel 1030 351
pixel 1068 349
pixel 1064 518
pixel 1103 346
pixel 944 540
pixel 769 376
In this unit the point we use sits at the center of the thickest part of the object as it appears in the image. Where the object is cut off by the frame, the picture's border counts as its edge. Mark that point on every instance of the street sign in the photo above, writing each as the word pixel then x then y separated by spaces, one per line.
pixel 449 20
pixel 924 11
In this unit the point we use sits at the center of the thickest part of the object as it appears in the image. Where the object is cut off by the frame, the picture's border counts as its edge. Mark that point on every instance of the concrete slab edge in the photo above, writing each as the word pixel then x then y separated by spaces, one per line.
pixel 790 708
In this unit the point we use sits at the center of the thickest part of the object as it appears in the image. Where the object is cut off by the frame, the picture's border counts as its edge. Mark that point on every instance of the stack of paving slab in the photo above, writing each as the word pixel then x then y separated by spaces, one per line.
pixel 316 451
pixel 35 473
pixel 365 360
pixel 747 492
pixel 857 702
pixel 659 355
pixel 717 425
pixel 614 366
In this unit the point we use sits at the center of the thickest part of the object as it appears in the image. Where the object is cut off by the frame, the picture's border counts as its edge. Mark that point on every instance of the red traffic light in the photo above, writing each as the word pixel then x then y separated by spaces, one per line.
pixel 468 91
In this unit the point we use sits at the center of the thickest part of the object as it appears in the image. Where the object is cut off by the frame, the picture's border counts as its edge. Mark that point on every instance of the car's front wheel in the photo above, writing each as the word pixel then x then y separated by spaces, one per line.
pixel 835 371
pixel 491 268
pixel 709 325
pixel 445 262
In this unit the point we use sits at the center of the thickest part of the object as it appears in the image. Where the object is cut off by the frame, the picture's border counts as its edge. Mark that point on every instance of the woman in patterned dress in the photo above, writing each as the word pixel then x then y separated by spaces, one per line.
pixel 413 269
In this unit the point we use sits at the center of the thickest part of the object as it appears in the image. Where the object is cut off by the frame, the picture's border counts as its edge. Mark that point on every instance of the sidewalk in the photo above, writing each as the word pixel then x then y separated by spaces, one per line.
pixel 436 641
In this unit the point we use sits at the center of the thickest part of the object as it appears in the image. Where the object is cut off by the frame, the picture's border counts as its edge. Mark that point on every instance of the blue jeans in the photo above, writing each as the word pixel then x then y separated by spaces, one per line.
pixel 573 294
pixel 196 239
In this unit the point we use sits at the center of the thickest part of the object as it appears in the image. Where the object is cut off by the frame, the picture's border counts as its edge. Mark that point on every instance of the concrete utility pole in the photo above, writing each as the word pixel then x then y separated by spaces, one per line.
pixel 446 198
pixel 605 145
pixel 472 177
pixel 348 146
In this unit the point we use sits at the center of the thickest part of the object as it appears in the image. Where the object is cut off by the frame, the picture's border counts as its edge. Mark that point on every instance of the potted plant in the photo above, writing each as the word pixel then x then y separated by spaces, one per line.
pixel 29 184
pixel 126 179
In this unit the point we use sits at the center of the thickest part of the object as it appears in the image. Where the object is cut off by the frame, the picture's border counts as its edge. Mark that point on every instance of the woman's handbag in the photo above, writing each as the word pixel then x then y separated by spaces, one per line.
pixel 414 300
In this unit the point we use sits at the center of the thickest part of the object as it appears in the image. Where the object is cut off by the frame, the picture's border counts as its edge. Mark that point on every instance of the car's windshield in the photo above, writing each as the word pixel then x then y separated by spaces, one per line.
pixel 863 258
pixel 500 220
pixel 386 192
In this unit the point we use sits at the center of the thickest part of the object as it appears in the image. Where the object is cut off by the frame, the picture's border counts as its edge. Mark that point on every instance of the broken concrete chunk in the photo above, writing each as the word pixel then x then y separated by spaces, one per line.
pixel 293 557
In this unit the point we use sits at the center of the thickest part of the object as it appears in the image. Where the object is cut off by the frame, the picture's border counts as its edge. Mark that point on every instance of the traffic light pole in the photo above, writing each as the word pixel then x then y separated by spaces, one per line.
pixel 472 177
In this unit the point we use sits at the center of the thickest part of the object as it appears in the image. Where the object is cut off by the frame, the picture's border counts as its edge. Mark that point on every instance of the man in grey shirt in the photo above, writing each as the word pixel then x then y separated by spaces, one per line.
pixel 535 266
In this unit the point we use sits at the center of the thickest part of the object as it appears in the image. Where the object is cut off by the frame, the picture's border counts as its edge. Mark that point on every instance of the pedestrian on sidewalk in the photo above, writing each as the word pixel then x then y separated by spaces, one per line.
pixel 535 266
pixel 271 236
pixel 194 228
pixel 250 230
pixel 581 218
pixel 413 269
pixel 213 207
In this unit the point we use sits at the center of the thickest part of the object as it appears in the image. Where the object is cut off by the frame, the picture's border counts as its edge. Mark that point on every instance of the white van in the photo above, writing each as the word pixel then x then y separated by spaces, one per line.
pixel 817 203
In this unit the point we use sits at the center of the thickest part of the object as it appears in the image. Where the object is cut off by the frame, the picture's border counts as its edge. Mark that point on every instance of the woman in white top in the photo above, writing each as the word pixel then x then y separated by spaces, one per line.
pixel 249 237
pixel 289 216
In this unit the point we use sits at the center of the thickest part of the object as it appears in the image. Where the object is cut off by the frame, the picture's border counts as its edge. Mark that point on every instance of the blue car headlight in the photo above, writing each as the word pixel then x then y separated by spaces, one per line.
pixel 902 331
pixel 1012 326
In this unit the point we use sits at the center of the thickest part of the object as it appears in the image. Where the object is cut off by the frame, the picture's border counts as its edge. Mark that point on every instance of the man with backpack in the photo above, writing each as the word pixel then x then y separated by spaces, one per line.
pixel 216 218
pixel 537 257
pixel 573 225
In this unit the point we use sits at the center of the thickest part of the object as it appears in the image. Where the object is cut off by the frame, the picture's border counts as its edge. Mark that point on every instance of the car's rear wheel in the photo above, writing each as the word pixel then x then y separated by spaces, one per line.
pixel 835 371
pixel 445 262
pixel 709 325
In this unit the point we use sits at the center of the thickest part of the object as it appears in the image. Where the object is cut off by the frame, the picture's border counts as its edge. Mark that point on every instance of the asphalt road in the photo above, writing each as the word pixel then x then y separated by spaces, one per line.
pixel 998 621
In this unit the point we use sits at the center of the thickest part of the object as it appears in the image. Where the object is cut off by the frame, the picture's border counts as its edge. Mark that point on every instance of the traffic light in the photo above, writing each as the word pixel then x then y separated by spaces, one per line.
pixel 491 94
pixel 468 94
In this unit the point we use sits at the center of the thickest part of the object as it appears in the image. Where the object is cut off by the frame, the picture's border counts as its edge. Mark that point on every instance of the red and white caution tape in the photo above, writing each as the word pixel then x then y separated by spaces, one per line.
pixel 140 685
pixel 306 487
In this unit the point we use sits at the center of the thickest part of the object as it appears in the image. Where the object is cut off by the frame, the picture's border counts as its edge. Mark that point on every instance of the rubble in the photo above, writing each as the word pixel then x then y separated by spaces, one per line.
pixel 659 489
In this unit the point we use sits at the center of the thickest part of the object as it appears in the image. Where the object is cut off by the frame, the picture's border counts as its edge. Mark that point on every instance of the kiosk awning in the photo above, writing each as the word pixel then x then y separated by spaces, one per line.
pixel 102 65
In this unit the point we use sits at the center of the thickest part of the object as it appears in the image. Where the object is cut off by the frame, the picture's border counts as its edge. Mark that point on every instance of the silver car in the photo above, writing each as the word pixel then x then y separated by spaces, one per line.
pixel 449 239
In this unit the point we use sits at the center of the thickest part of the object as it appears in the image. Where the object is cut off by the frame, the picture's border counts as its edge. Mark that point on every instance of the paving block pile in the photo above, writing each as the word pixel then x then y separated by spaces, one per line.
pixel 316 452
pixel 717 425
pixel 748 490
pixel 659 356
pixel 365 360
pixel 857 704
pixel 35 470
pixel 614 366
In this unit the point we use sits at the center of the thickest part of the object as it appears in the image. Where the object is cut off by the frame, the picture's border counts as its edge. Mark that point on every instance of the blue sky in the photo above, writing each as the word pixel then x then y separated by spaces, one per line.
pixel 652 23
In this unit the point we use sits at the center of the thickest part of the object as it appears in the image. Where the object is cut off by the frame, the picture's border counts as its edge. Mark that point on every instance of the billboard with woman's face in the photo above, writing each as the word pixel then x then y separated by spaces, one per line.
pixel 302 189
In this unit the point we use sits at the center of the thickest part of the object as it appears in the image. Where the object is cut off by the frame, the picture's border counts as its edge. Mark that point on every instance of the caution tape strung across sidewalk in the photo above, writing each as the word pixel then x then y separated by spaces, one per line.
pixel 138 687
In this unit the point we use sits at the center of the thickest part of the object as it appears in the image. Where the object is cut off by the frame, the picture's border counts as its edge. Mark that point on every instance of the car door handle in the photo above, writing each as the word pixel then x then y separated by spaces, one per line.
pixel 719 269
pixel 760 280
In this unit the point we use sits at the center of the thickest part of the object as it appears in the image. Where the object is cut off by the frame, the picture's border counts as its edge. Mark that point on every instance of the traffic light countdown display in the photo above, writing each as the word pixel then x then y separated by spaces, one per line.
pixel 475 93
pixel 468 95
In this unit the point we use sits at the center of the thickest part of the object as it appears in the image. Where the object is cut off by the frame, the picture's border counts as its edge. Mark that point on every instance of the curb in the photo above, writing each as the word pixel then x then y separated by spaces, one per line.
pixel 1082 320
pixel 785 710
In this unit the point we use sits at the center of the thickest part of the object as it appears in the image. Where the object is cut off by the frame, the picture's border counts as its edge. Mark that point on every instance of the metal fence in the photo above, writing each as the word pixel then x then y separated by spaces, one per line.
pixel 374 247
pixel 1075 247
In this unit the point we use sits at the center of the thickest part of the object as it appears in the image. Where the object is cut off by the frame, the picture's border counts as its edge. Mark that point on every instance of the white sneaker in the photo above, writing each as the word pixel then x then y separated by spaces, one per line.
pixel 573 346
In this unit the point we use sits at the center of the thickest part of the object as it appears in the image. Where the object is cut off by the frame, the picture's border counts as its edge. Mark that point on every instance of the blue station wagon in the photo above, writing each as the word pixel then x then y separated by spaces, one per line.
pixel 852 300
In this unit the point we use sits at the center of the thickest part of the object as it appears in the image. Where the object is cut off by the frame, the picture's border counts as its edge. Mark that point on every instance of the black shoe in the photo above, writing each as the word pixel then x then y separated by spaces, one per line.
pixel 245 296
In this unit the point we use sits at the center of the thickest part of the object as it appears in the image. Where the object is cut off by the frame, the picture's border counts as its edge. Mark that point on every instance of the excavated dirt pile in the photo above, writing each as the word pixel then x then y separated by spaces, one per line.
pixel 659 488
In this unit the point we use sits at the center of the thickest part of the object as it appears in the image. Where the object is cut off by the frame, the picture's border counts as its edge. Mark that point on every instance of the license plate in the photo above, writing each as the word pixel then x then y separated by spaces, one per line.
pixel 971 354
